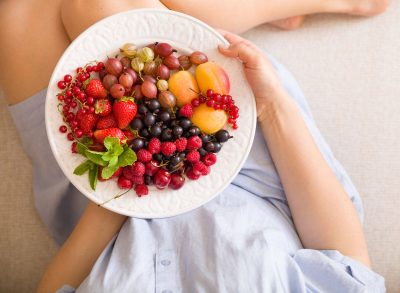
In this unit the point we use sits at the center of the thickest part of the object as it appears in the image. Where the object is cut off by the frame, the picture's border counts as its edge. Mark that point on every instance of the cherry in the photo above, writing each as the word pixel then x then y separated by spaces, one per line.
pixel 124 183
pixel 162 179
pixel 177 181
pixel 152 167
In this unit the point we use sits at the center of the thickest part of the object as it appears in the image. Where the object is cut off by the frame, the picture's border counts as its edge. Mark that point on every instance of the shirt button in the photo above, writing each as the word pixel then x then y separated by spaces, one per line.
pixel 166 262
pixel 166 291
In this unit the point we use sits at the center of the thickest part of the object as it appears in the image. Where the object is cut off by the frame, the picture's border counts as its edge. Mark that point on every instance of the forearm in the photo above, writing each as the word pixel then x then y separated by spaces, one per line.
pixel 77 256
pixel 322 212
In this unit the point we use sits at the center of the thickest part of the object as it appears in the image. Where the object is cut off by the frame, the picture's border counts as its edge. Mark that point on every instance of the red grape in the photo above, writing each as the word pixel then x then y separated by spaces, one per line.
pixel 126 80
pixel 198 58
pixel 132 73
pixel 113 66
pixel 149 89
pixel 163 49
pixel 184 62
pixel 117 91
pixel 163 72
pixel 171 62
pixel 109 80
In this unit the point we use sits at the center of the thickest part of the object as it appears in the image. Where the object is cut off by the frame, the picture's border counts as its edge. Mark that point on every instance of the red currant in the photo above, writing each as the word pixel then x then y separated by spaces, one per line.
pixel 73 105
pixel 99 66
pixel 224 99
pixel 235 126
pixel 81 77
pixel 60 97
pixel 79 69
pixel 89 68
pixel 68 93
pixel 63 129
pixel 65 108
pixel 217 106
pixel 202 100
pixel 76 90
pixel 216 97
pixel 78 133
pixel 91 109
pixel 67 78
pixel 90 134
pixel 70 136
pixel 81 96
pixel 209 93
pixel 78 84
pixel 210 103
pixel 61 85
pixel 90 100
pixel 70 116
pixel 74 123
pixel 195 102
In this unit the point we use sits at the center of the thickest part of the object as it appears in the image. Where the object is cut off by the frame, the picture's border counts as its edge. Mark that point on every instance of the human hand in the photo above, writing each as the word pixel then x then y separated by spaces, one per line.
pixel 258 70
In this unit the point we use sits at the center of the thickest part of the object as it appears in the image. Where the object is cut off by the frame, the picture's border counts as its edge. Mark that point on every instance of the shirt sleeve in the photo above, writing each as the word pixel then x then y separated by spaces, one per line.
pixel 330 271
pixel 66 289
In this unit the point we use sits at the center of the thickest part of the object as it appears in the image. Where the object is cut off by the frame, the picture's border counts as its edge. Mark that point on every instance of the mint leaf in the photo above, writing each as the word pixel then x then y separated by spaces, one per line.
pixel 109 171
pixel 86 141
pixel 127 158
pixel 81 149
pixel 95 158
pixel 111 143
pixel 113 161
pixel 82 168
pixel 93 176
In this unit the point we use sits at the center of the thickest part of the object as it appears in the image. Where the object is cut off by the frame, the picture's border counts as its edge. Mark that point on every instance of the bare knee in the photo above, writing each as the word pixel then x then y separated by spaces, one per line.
pixel 78 15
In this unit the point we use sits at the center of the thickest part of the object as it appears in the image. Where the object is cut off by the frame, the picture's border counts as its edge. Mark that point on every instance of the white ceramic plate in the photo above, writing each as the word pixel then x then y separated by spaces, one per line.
pixel 186 34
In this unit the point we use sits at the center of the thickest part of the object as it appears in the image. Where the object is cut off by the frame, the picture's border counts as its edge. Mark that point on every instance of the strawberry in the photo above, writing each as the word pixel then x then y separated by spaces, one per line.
pixel 106 122
pixel 129 136
pixel 96 89
pixel 124 112
pixel 87 122
pixel 100 135
pixel 102 107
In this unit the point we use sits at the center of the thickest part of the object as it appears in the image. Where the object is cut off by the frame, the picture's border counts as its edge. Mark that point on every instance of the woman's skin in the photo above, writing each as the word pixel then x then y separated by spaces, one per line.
pixel 34 34
pixel 323 214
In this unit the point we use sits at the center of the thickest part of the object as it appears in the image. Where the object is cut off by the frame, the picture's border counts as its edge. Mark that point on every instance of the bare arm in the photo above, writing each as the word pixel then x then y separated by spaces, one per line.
pixel 75 259
pixel 323 214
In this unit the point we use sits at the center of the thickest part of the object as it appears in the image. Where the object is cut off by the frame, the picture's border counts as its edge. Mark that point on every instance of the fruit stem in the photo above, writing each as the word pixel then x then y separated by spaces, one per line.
pixel 114 197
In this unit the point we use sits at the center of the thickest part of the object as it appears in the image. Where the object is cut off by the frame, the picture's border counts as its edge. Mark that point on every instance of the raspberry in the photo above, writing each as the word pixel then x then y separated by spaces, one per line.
pixel 209 159
pixel 192 174
pixel 193 156
pixel 154 146
pixel 143 155
pixel 201 168
pixel 168 148
pixel 138 169
pixel 124 183
pixel 118 173
pixel 141 190
pixel 137 179
pixel 186 111
pixel 194 143
pixel 180 144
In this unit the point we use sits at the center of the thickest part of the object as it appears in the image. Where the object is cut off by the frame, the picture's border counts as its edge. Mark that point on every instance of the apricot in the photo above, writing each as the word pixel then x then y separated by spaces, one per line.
pixel 210 76
pixel 183 86
pixel 208 119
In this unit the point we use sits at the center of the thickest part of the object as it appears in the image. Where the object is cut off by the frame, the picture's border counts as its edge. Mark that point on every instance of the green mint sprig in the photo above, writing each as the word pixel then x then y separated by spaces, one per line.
pixel 116 156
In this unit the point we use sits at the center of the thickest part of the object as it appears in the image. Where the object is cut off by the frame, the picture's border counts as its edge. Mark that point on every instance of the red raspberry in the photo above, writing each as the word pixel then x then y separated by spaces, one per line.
pixel 201 168
pixel 186 111
pixel 137 179
pixel 138 169
pixel 194 143
pixel 154 145
pixel 168 148
pixel 141 190
pixel 143 155
pixel 209 159
pixel 193 156
pixel 124 183
pixel 181 144
pixel 193 174
pixel 118 173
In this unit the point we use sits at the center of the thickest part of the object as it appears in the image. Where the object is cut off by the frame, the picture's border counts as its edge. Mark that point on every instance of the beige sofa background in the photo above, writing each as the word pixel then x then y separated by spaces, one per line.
pixel 349 69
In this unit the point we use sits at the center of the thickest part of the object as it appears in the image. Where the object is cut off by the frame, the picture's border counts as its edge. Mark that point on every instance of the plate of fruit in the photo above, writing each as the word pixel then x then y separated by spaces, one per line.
pixel 145 117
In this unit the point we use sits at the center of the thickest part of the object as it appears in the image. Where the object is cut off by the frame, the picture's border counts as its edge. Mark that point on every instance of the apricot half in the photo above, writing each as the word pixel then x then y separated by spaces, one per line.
pixel 210 76
pixel 183 86
pixel 208 119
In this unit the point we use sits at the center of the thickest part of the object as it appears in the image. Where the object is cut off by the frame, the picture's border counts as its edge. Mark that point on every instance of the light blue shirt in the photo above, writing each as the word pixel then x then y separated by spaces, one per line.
pixel 242 241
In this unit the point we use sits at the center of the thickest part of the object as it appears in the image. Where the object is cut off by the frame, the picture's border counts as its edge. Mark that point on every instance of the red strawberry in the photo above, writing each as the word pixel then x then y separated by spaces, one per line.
pixel 87 122
pixel 124 112
pixel 96 89
pixel 102 107
pixel 129 136
pixel 106 122
pixel 100 135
